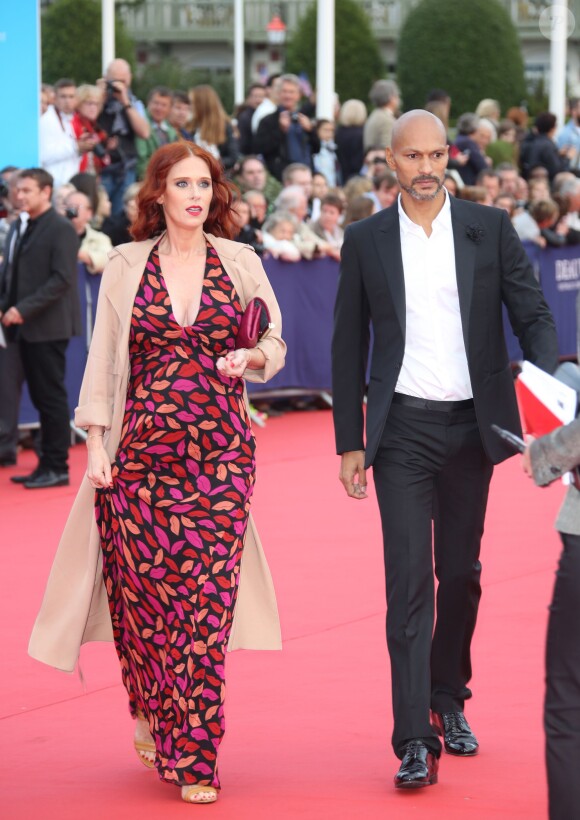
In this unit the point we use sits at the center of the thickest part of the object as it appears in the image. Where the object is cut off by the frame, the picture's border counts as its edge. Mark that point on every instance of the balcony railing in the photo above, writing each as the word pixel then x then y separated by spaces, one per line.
pixel 213 20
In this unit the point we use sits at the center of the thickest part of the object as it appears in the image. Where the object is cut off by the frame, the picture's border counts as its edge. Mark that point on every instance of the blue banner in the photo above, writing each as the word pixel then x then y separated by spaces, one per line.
pixel 20 84
pixel 558 270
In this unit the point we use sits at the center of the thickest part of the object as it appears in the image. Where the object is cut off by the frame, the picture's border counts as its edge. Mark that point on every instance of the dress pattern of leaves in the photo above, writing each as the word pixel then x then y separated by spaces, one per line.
pixel 172 527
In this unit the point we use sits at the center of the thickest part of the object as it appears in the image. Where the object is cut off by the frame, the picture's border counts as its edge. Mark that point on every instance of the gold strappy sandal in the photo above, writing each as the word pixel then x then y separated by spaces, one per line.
pixel 145 748
pixel 199 794
pixel 146 752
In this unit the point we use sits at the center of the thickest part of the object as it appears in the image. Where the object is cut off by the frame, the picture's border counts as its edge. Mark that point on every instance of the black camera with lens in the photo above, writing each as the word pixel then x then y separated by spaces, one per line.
pixel 112 89
pixel 71 213
pixel 100 151
pixel 294 117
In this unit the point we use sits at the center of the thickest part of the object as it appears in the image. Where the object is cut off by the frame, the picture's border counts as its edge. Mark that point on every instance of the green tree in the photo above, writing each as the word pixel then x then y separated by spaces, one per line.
pixel 470 49
pixel 358 58
pixel 71 41
pixel 175 75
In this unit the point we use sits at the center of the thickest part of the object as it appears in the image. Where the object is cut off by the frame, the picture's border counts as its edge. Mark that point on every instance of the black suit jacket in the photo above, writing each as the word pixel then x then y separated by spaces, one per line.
pixel 492 268
pixel 46 278
pixel 271 142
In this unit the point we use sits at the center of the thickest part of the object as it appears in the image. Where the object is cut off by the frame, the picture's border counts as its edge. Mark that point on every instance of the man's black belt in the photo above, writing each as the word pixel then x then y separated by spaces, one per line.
pixel 431 404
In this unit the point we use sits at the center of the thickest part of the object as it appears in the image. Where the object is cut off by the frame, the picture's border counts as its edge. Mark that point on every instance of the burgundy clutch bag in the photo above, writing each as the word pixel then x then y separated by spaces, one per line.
pixel 255 323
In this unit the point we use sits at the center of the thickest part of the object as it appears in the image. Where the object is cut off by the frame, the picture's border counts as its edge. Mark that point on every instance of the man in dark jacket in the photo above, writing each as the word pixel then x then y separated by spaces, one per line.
pixel 430 273
pixel 40 311
pixel 539 149
pixel 287 135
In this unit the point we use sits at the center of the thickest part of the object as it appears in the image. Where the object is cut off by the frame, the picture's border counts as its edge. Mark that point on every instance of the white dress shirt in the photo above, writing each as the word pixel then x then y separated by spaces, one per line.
pixel 59 153
pixel 435 361
pixel 266 107
pixel 23 216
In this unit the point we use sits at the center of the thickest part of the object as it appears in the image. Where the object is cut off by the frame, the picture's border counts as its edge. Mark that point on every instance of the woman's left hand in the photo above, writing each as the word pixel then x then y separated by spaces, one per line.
pixel 234 363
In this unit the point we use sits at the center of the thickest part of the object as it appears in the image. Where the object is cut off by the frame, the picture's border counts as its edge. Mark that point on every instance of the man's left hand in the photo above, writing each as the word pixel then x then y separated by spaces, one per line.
pixel 12 317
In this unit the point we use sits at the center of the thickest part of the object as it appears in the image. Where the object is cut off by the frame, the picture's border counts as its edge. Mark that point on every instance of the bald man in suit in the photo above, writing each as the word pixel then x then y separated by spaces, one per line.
pixel 430 273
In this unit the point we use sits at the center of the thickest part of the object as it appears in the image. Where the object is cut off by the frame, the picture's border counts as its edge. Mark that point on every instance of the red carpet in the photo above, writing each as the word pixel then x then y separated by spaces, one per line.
pixel 308 728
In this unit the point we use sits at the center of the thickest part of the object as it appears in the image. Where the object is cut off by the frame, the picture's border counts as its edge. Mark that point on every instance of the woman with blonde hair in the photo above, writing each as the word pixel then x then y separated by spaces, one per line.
pixel 84 123
pixel 490 111
pixel 211 126
pixel 349 137
pixel 355 187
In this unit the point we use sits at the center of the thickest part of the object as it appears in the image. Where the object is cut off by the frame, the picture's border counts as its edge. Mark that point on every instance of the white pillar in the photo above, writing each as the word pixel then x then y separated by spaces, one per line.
pixel 239 57
pixel 558 53
pixel 325 60
pixel 108 32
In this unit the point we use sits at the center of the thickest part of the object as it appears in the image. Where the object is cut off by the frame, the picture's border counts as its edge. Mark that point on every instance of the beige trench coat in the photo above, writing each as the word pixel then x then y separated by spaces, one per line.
pixel 75 608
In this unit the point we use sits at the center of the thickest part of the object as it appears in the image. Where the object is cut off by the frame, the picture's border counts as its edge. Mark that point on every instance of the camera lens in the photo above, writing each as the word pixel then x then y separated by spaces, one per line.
pixel 100 151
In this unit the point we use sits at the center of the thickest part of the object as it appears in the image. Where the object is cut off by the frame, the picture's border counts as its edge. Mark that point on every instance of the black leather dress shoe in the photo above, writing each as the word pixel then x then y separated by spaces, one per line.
pixel 47 478
pixel 21 479
pixel 418 767
pixel 457 735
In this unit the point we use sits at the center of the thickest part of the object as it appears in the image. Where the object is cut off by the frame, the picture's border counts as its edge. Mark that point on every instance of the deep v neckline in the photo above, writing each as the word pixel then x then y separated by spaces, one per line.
pixel 162 279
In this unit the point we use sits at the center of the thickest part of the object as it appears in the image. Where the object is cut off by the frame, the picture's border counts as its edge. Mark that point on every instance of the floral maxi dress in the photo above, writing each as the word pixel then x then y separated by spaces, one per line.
pixel 173 524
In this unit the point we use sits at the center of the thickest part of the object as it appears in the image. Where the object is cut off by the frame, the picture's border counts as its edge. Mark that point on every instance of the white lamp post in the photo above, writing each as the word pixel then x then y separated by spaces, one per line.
pixel 325 60
pixel 108 32
pixel 554 23
pixel 239 66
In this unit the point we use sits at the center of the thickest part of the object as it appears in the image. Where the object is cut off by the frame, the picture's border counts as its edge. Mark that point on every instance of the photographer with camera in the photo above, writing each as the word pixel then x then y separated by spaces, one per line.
pixel 123 119
pixel 95 246
pixel 287 135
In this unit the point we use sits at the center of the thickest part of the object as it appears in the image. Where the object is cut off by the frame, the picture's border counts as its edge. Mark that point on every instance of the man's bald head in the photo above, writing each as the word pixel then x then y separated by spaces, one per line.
pixel 120 70
pixel 418 155
pixel 415 123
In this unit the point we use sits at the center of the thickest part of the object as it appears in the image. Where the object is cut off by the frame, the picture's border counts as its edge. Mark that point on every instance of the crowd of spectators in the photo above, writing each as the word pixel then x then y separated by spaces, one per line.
pixel 300 181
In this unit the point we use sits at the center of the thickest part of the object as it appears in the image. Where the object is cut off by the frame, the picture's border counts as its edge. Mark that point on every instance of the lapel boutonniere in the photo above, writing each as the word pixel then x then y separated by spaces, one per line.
pixel 475 233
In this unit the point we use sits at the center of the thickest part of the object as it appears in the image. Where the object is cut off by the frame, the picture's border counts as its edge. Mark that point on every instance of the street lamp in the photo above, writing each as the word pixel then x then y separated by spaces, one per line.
pixel 276 31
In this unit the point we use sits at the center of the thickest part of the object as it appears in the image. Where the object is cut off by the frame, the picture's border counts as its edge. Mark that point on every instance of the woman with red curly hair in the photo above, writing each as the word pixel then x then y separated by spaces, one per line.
pixel 170 472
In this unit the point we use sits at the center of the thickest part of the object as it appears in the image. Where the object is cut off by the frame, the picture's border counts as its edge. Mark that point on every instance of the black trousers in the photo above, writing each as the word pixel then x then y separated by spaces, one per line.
pixel 562 703
pixel 11 380
pixel 432 478
pixel 44 368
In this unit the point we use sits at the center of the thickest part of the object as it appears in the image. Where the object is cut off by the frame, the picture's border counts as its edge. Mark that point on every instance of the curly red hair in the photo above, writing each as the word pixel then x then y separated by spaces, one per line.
pixel 150 219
